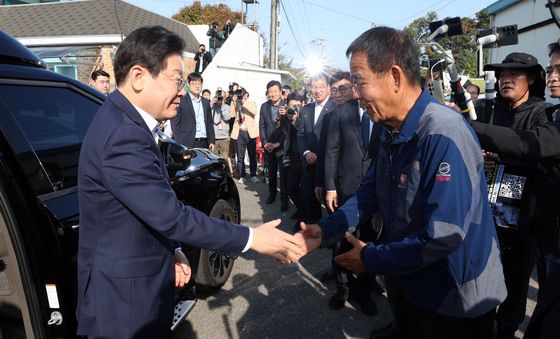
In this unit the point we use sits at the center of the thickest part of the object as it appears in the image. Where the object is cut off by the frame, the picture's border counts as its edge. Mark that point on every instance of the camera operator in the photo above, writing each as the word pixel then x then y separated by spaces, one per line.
pixel 231 92
pixel 519 104
pixel 245 131
pixel 228 28
pixel 221 119
pixel 283 142
pixel 202 58
pixel 215 41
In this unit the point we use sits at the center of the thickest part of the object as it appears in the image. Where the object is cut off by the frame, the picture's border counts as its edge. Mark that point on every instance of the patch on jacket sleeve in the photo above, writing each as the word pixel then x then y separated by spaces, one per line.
pixel 444 172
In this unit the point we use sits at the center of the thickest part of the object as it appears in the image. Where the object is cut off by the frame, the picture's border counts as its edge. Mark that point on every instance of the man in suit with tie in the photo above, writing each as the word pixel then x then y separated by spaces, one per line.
pixel 130 219
pixel 312 136
pixel 347 159
pixel 193 126
pixel 269 120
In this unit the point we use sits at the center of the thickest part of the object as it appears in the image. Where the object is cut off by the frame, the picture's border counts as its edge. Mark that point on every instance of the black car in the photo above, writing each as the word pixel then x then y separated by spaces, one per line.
pixel 43 118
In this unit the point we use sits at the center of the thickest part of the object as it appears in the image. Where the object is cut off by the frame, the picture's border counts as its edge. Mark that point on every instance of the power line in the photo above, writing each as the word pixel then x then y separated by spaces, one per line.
pixel 417 13
pixel 339 12
pixel 291 30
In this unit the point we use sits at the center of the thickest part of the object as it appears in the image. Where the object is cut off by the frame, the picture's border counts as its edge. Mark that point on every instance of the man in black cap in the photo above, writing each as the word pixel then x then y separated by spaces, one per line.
pixel 519 104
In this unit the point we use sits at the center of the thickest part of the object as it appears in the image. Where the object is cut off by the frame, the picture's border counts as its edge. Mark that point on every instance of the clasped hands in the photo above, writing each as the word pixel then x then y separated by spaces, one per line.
pixel 287 248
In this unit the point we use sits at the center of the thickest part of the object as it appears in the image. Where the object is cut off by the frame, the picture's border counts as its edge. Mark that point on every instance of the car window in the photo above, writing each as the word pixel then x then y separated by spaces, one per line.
pixel 54 120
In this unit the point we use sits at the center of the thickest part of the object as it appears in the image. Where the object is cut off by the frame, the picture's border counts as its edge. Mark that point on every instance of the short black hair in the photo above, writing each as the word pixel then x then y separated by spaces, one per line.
pixel 476 86
pixel 98 73
pixel 273 83
pixel 147 47
pixel 288 87
pixel 194 76
pixel 553 48
pixel 206 90
pixel 202 45
pixel 319 76
pixel 340 75
pixel 295 96
pixel 385 47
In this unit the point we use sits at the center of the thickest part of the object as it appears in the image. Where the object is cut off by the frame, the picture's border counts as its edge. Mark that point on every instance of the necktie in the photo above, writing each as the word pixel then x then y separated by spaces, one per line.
pixel 365 131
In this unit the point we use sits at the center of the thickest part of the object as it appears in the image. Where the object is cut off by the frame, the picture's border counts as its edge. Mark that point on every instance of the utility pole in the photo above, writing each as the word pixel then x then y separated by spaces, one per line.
pixel 273 63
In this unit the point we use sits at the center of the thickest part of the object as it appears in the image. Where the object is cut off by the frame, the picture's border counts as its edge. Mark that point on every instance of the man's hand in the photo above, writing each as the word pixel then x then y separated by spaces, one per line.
pixel 310 237
pixel 273 242
pixel 490 160
pixel 319 193
pixel 282 110
pixel 211 147
pixel 352 260
pixel 268 147
pixel 310 157
pixel 182 273
pixel 331 200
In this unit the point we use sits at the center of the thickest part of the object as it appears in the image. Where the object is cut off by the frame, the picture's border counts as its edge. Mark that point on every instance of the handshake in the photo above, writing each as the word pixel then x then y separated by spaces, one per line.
pixel 288 248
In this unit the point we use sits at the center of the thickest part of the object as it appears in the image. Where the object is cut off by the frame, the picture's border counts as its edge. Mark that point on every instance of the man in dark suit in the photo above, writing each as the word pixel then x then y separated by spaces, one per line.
pixel 130 218
pixel 202 58
pixel 193 126
pixel 269 120
pixel 312 136
pixel 346 162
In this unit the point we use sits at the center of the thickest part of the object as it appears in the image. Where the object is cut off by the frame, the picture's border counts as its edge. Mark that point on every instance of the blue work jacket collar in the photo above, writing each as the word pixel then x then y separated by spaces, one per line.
pixel 410 124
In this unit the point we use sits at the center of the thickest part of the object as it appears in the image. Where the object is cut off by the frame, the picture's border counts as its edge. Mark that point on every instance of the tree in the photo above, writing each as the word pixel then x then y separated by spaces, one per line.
pixel 196 14
pixel 462 46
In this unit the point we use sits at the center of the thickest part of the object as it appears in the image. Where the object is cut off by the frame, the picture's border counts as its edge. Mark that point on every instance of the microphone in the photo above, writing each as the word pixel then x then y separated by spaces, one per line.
pixel 489 39
pixel 490 82
pixel 440 30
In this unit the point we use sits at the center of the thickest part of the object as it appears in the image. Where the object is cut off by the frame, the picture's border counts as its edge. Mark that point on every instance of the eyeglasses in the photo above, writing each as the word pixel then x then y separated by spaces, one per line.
pixel 181 83
pixel 317 88
pixel 340 89
pixel 196 82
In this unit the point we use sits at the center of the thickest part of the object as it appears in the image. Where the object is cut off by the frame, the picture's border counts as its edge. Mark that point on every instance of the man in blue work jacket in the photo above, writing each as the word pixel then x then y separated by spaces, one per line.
pixel 427 187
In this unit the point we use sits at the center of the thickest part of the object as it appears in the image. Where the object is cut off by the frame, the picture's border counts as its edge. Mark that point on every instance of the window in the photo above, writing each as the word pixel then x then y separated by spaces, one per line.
pixel 54 121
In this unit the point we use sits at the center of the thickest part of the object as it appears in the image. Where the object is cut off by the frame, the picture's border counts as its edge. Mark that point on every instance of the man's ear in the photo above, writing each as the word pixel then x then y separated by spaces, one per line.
pixel 137 77
pixel 396 77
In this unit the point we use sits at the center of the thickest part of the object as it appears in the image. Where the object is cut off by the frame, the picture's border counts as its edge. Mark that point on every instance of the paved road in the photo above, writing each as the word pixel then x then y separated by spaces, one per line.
pixel 264 299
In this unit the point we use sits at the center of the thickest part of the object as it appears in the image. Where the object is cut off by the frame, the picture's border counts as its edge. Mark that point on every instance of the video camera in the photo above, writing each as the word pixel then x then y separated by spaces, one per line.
pixel 291 112
pixel 219 94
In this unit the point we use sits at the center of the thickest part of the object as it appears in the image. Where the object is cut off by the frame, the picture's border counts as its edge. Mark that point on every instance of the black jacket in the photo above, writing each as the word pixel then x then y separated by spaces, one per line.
pixel 206 59
pixel 184 124
pixel 536 147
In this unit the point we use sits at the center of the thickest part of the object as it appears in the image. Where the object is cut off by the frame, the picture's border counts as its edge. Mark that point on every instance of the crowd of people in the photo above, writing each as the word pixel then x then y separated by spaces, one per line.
pixel 453 213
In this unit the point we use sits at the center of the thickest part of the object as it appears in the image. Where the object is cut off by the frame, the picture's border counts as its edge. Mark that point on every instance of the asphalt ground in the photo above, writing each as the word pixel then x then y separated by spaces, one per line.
pixel 265 299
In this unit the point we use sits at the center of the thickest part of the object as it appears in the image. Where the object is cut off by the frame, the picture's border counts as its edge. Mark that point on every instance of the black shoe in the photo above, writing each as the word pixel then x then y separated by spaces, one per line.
pixel 270 199
pixel 337 301
pixel 284 206
pixel 385 332
pixel 363 299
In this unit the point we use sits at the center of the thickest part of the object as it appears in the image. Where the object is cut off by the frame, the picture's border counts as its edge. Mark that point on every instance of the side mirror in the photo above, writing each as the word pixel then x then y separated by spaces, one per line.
pixel 176 157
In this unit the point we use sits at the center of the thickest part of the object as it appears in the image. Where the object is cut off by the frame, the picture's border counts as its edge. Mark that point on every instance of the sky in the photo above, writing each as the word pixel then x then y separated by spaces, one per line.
pixel 311 28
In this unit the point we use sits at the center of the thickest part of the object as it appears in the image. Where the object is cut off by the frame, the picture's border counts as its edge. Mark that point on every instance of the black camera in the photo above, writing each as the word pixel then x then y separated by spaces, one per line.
pixel 291 112
pixel 220 94
pixel 240 93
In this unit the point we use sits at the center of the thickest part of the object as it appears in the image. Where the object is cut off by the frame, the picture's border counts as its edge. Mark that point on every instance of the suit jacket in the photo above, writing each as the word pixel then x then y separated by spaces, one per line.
pixel 130 223
pixel 312 136
pixel 206 59
pixel 184 124
pixel 346 160
pixel 249 109
pixel 266 123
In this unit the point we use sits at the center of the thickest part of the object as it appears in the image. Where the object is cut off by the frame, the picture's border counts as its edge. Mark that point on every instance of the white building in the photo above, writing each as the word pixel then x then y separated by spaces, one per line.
pixel 240 60
pixel 535 26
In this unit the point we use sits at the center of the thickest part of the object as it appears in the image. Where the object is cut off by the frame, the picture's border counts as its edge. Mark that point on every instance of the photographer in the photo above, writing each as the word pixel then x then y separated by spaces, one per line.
pixel 283 142
pixel 245 131
pixel 202 58
pixel 221 118
pixel 519 104
pixel 215 41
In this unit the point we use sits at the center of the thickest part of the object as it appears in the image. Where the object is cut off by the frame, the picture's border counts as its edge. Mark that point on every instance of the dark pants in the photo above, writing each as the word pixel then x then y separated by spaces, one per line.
pixel 275 167
pixel 244 142
pixel 429 325
pixel 518 259
pixel 293 185
pixel 201 143
pixel 548 262
pixel 312 207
